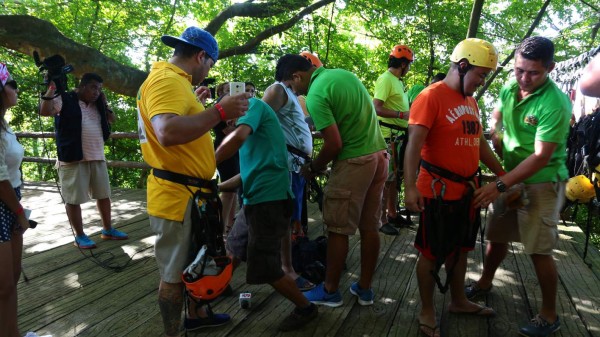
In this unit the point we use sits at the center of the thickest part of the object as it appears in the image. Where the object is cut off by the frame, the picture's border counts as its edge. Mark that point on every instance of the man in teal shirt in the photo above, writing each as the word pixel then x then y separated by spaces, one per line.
pixel 534 115
pixel 343 112
pixel 267 203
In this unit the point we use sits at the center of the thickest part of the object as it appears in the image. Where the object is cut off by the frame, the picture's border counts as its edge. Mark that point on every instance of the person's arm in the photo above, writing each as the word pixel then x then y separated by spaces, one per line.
pixel 231 184
pixel 232 143
pixel 110 115
pixel 332 146
pixel 275 96
pixel 488 158
pixel 590 80
pixel 412 158
pixel 528 167
pixel 388 113
pixel 48 106
pixel 7 193
pixel 9 198
pixel 496 131
pixel 172 129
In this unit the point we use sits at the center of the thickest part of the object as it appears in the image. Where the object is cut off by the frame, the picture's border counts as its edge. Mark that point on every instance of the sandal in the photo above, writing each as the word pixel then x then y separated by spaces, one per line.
pixel 482 311
pixel 428 330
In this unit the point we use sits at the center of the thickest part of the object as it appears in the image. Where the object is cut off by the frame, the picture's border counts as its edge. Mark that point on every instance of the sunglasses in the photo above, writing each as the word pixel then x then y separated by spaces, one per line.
pixel 12 84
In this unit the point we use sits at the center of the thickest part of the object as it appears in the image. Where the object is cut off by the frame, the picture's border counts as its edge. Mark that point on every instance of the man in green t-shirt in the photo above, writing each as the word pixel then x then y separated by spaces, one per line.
pixel 343 112
pixel 534 116
pixel 391 105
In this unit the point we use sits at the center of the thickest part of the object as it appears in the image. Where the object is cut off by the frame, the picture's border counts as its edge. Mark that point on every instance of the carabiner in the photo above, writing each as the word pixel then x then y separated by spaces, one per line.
pixel 442 190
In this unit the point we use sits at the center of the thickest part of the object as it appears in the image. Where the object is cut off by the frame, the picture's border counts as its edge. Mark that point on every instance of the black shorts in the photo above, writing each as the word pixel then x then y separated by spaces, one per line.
pixel 268 223
pixel 445 225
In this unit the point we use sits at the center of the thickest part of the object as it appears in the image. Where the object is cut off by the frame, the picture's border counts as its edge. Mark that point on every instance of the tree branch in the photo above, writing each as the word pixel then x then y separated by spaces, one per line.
pixel 249 46
pixel 591 6
pixel 249 9
pixel 21 33
pixel 535 23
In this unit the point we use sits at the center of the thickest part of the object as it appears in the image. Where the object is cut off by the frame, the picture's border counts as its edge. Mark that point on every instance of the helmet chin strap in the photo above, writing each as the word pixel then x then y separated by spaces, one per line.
pixel 462 83
pixel 462 71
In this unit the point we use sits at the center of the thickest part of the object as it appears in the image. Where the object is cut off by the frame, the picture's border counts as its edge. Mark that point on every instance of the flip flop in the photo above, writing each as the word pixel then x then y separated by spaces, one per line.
pixel 481 311
pixel 428 330
pixel 304 284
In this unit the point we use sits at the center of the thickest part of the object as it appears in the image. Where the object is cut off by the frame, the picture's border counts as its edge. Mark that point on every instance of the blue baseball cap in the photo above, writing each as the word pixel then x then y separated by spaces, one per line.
pixel 196 37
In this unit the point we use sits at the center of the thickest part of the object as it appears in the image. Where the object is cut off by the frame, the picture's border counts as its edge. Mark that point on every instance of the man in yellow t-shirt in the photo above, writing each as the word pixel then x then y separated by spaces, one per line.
pixel 173 128
pixel 391 105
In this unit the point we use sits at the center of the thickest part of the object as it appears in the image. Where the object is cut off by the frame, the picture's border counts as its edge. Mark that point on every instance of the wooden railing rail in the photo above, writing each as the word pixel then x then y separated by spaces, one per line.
pixel 109 163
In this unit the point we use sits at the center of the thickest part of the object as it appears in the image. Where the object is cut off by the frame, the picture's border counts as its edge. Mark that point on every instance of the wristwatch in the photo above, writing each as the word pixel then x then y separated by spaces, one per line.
pixel 500 186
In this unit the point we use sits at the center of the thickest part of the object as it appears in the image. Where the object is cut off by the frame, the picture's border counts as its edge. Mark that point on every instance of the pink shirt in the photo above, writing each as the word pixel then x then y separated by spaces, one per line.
pixel 92 142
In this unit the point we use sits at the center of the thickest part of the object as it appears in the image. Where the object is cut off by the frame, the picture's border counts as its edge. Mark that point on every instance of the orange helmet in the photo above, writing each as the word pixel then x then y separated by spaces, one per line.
pixel 312 58
pixel 209 287
pixel 401 51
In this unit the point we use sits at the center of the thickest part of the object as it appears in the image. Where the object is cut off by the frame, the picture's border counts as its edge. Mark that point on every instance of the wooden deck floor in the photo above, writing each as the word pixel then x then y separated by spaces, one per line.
pixel 68 294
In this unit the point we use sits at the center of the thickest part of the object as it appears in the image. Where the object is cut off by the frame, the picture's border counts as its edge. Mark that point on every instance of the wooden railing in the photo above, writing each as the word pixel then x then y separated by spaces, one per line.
pixel 133 164
pixel 110 163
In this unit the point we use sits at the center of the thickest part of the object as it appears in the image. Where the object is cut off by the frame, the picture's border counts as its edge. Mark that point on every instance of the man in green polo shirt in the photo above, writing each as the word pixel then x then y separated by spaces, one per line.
pixel 342 110
pixel 391 105
pixel 534 115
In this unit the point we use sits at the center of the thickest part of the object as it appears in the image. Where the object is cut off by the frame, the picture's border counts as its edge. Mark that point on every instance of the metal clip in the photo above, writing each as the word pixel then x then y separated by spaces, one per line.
pixel 443 189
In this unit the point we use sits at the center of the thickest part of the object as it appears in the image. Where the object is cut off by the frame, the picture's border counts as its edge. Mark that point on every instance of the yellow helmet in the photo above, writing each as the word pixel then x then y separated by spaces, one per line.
pixel 477 51
pixel 580 189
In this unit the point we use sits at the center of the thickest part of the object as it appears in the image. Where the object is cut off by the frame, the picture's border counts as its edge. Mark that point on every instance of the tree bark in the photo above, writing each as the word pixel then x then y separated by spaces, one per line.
pixel 474 20
pixel 26 34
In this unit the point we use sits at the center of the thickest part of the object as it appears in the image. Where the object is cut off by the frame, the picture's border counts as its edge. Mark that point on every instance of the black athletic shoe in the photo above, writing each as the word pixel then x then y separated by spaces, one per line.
pixel 388 229
pixel 299 318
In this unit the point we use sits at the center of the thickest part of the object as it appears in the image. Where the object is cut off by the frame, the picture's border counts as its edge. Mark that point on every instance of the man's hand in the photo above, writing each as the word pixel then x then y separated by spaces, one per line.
pixel 307 172
pixel 235 106
pixel 202 93
pixel 485 195
pixel 413 200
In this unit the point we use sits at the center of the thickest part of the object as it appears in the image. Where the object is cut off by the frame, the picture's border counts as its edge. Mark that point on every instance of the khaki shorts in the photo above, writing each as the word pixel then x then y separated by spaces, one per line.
pixel 83 180
pixel 535 225
pixel 172 245
pixel 352 197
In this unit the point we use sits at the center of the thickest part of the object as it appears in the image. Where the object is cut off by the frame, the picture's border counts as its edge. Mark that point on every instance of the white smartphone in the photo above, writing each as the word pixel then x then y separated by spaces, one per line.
pixel 236 88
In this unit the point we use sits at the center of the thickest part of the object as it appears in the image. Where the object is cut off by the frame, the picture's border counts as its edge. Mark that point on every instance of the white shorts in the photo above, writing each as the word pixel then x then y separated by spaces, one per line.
pixel 83 180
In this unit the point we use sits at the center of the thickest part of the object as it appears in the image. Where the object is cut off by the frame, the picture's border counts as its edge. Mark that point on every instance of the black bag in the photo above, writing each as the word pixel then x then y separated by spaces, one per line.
pixel 309 258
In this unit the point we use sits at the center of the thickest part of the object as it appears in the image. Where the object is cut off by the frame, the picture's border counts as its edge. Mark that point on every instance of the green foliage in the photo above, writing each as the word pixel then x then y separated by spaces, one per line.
pixel 355 35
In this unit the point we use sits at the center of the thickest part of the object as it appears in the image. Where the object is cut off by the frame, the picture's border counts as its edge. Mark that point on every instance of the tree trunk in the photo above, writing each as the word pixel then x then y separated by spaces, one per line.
pixel 475 16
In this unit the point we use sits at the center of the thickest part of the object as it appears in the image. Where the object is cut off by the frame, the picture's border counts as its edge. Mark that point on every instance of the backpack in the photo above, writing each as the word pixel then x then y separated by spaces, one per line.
pixel 583 144
pixel 309 258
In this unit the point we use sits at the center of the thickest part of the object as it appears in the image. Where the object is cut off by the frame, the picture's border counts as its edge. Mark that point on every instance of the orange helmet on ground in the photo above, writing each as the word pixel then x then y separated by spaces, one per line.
pixel 312 58
pixel 401 51
pixel 209 287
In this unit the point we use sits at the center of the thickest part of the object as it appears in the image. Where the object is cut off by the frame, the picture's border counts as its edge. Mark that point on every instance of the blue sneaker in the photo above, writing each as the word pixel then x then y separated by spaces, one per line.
pixel 539 327
pixel 317 295
pixel 113 234
pixel 213 320
pixel 84 242
pixel 365 296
